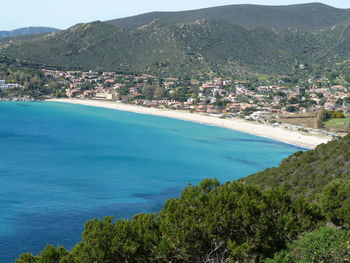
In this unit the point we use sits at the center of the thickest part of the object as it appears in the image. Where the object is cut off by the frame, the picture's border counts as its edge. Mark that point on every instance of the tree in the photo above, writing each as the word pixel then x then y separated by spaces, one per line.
pixel 159 92
pixel 293 100
pixel 27 258
pixel 347 100
pixel 251 224
pixel 148 91
pixel 50 254
pixel 291 109
pixel 123 241
pixel 336 202
pixel 248 111
pixel 320 116
pixel 339 103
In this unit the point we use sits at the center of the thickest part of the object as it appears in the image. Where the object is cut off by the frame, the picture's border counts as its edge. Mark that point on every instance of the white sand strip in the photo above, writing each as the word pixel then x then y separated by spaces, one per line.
pixel 276 133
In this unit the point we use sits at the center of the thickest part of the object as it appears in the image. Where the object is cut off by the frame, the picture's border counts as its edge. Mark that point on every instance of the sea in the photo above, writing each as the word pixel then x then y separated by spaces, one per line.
pixel 63 164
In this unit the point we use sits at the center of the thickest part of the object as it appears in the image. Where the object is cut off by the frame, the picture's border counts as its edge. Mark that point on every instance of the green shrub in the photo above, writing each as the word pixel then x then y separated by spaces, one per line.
pixel 326 245
pixel 336 202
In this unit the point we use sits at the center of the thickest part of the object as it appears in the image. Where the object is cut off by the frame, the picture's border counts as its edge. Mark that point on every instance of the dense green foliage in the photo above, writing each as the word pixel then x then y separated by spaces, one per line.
pixel 333 115
pixel 222 43
pixel 336 202
pixel 274 221
pixel 324 245
pixel 307 173
pixel 34 83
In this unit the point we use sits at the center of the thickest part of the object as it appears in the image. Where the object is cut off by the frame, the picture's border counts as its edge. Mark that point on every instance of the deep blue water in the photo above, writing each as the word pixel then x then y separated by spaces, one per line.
pixel 63 164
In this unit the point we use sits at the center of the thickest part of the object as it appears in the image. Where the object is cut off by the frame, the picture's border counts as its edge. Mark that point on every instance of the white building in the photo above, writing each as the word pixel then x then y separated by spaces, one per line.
pixel 258 115
pixel 3 85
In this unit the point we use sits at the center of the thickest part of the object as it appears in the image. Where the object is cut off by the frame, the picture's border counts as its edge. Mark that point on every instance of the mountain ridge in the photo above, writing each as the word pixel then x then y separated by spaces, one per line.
pixel 27 31
pixel 237 14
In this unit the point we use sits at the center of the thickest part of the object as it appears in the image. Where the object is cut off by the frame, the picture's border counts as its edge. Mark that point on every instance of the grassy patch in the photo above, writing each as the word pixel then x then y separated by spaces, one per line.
pixel 339 123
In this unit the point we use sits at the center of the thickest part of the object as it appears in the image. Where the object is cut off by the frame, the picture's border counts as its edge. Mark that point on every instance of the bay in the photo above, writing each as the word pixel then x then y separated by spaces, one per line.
pixel 63 164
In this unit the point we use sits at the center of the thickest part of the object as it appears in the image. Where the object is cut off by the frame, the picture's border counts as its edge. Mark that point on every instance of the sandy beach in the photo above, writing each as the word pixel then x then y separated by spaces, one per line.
pixel 297 138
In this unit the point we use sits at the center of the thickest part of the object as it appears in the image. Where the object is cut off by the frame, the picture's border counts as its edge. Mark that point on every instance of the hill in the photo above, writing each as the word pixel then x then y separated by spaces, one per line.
pixel 308 173
pixel 201 47
pixel 27 31
pixel 314 16
pixel 239 40
pixel 100 46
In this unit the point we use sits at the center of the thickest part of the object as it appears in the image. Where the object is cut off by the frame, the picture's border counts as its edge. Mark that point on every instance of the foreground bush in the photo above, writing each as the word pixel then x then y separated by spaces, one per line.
pixel 208 223
pixel 324 245
pixel 336 202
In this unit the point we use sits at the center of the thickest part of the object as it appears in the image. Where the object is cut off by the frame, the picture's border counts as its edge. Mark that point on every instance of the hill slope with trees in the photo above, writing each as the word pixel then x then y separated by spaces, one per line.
pixel 197 48
pixel 307 173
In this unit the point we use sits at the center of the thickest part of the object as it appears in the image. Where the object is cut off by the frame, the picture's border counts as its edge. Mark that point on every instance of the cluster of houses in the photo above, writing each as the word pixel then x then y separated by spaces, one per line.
pixel 220 97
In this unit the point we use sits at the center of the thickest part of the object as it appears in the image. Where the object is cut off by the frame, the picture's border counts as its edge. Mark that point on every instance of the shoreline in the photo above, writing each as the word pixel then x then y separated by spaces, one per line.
pixel 296 138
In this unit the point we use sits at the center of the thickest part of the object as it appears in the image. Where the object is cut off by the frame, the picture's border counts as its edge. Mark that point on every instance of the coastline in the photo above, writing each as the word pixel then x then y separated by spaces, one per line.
pixel 300 139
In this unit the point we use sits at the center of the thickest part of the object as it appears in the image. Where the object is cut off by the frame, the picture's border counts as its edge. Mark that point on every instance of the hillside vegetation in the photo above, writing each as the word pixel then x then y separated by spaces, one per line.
pixel 269 217
pixel 235 40
pixel 307 173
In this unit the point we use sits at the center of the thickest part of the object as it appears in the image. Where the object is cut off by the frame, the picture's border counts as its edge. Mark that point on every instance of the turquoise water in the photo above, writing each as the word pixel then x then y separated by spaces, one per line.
pixel 63 164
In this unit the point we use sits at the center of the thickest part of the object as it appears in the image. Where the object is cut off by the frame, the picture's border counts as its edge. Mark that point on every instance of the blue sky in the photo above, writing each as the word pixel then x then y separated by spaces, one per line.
pixel 65 13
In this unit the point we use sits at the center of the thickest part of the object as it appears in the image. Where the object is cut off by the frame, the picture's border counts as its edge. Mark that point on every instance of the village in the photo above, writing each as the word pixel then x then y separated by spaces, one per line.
pixel 219 97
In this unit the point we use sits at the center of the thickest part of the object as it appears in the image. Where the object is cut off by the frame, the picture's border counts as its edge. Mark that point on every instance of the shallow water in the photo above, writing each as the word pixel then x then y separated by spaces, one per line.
pixel 62 164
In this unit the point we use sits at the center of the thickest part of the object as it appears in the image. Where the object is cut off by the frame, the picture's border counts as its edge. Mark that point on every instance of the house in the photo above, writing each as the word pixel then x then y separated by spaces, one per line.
pixel 3 85
pixel 233 107
pixel 339 88
pixel 194 82
pixel 133 90
pixel 105 96
pixel 88 94
pixel 152 104
pixel 275 111
pixel 329 105
pixel 218 81
pixel 72 92
pixel 259 115
pixel 263 88
pixel 109 81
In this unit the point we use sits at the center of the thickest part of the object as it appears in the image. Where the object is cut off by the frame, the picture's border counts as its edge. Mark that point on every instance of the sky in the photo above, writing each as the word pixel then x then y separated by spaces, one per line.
pixel 65 13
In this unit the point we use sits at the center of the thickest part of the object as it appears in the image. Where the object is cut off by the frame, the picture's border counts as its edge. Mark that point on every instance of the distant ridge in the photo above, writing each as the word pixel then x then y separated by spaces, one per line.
pixel 311 16
pixel 27 31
